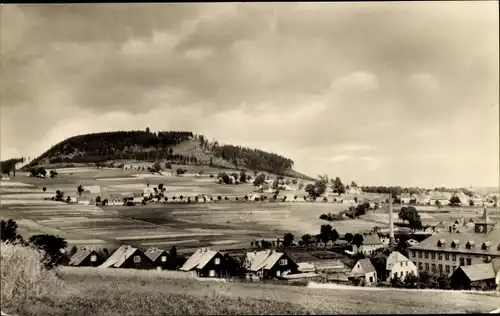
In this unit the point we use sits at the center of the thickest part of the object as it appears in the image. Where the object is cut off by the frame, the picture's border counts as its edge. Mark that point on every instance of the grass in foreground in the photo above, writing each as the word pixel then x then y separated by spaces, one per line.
pixel 92 291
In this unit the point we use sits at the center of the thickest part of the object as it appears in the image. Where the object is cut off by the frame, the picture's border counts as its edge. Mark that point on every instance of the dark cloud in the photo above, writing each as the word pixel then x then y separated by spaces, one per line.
pixel 396 76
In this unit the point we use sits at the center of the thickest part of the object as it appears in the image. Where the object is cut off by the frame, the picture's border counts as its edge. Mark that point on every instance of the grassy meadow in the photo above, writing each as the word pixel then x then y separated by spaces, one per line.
pixel 29 290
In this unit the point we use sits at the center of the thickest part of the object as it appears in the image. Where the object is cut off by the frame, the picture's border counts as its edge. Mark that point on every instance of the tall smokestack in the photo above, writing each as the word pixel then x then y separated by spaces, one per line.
pixel 391 223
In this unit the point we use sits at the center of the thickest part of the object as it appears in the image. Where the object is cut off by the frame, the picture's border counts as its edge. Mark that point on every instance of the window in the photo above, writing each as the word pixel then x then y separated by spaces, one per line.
pixel 433 267
pixel 401 263
pixel 420 254
pixel 278 273
pixel 433 256
pixel 440 268
pixel 440 257
pixel 469 261
pixel 454 257
pixel 426 255
pixel 426 266
pixel 283 262
pixel 420 266
pixel 462 261
pixel 446 256
pixel 447 269
pixel 163 258
pixel 406 263
pixel 414 254
pixel 137 259
pixel 93 258
pixel 211 273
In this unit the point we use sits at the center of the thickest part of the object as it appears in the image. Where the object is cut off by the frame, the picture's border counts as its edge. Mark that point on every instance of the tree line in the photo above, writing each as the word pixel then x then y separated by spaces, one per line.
pixel 145 145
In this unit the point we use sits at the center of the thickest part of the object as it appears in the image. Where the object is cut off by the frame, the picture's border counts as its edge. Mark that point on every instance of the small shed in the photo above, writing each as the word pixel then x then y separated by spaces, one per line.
pixel 158 256
pixel 128 257
pixel 476 276
pixel 85 257
pixel 211 263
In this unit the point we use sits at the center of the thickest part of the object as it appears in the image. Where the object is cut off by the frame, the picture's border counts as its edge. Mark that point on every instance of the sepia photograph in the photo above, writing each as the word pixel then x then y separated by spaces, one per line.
pixel 250 158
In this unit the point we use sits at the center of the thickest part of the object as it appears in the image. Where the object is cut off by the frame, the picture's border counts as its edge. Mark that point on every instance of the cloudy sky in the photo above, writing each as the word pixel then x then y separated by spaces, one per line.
pixel 381 93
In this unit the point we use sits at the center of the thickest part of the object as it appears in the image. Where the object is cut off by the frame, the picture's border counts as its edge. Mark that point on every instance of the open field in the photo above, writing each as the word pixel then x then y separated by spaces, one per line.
pixel 105 292
pixel 220 225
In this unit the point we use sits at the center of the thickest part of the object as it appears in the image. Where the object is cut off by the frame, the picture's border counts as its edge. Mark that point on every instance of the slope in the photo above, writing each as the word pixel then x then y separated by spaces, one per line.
pixel 178 147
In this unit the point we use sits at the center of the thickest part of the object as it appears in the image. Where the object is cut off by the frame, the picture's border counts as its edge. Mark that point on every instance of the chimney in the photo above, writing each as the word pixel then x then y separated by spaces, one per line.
pixel 391 224
pixel 485 214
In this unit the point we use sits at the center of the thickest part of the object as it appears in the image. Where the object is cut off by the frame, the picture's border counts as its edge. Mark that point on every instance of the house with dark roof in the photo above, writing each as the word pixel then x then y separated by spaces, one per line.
pixel 158 256
pixel 364 270
pixel 269 264
pixel 85 257
pixel 128 257
pixel 474 277
pixel 371 243
pixel 458 246
pixel 211 263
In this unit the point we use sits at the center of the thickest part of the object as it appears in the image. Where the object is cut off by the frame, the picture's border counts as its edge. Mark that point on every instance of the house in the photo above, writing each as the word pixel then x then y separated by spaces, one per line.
pixel 269 264
pixel 128 257
pixel 158 256
pixel 328 266
pixel 348 199
pixel 364 270
pixel 422 199
pixel 85 201
pixel 476 276
pixel 405 198
pixel 92 189
pixel 399 266
pixel 371 243
pixel 306 267
pixel 439 198
pixel 458 246
pixel 211 263
pixel 85 257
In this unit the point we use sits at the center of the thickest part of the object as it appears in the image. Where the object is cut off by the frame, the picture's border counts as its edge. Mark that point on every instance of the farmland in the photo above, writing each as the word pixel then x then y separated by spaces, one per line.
pixel 220 225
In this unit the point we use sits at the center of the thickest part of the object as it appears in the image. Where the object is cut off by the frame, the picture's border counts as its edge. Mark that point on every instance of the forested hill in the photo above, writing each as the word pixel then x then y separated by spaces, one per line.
pixel 176 146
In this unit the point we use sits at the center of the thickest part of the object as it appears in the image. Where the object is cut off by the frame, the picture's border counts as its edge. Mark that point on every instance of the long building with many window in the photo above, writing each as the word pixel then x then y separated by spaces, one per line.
pixel 458 246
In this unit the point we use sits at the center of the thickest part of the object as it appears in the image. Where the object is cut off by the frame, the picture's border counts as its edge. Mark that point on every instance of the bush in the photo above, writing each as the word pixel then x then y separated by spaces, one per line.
pixel 23 276
pixel 180 171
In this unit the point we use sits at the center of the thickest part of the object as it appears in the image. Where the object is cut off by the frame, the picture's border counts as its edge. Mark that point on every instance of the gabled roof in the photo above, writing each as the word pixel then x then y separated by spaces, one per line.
pixel 262 259
pixel 119 257
pixel 366 267
pixel 154 253
pixel 394 258
pixel 80 255
pixel 371 239
pixel 478 272
pixel 199 259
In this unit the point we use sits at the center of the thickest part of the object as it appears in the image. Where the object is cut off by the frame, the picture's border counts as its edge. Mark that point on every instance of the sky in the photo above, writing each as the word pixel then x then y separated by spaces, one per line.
pixel 382 93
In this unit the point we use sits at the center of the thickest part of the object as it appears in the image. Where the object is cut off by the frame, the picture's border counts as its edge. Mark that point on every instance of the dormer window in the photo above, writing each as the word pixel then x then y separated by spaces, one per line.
pixel 441 242
pixel 486 245
pixel 470 244
pixel 455 243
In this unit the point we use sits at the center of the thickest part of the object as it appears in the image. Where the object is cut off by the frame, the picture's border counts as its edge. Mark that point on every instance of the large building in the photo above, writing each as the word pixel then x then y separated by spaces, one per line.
pixel 458 246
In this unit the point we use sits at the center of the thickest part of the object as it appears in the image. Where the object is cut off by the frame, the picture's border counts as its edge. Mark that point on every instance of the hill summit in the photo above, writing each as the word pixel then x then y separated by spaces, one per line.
pixel 176 146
